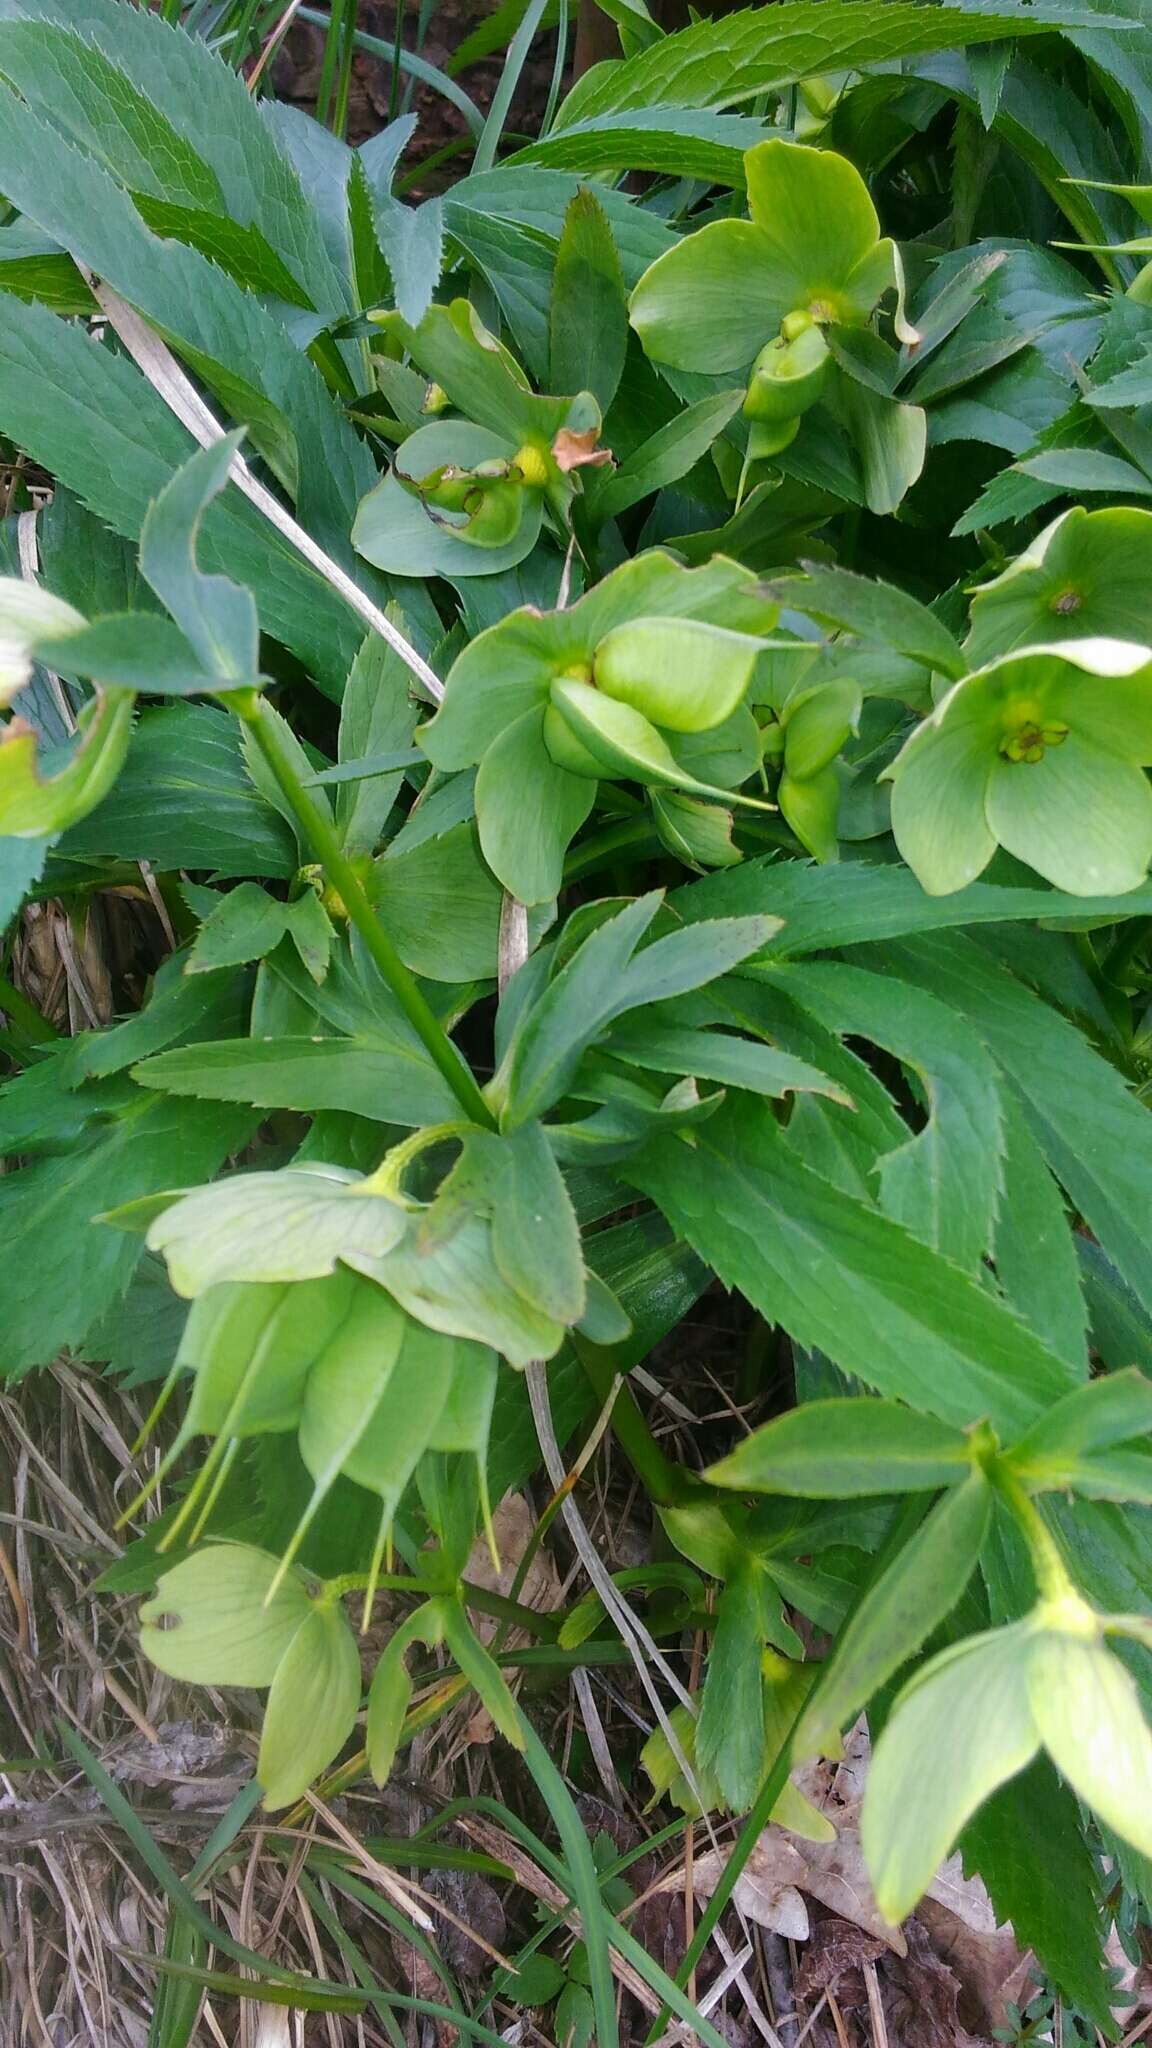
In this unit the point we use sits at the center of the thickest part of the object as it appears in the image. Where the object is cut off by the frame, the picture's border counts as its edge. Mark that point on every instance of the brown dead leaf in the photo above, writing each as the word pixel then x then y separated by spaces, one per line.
pixel 921 1997
pixel 836 1951
pixel 989 1967
pixel 579 451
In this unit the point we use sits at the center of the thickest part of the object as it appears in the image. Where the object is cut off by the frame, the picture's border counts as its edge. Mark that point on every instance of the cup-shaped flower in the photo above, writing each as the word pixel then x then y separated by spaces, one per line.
pixel 977 1714
pixel 789 374
pixel 813 246
pixel 1087 573
pixel 1041 752
pixel 625 683
pixel 460 500
pixel 27 613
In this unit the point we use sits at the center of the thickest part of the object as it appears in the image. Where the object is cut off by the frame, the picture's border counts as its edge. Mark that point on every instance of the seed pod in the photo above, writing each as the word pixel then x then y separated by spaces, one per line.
pixel 615 735
pixel 566 750
pixel 788 376
pixel 771 437
pixel 680 673
pixel 816 725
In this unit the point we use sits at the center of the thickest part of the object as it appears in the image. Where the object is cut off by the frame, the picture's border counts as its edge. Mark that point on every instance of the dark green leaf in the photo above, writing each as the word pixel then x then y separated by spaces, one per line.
pixel 589 311
pixel 843 1278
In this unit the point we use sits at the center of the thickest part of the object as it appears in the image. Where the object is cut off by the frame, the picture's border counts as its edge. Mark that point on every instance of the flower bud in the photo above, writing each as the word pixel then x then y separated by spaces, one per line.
pixel 566 750
pixel 789 375
pixel 680 673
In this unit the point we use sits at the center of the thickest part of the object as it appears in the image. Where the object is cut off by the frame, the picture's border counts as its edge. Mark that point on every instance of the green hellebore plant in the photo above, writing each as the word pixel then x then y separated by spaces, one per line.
pixel 622 684
pixel 1041 752
pixel 459 501
pixel 980 1712
pixel 813 246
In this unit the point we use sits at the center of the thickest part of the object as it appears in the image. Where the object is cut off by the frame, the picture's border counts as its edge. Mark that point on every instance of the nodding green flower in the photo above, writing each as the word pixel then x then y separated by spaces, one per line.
pixel 812 248
pixel 629 682
pixel 1041 752
pixel 1087 573
pixel 980 1712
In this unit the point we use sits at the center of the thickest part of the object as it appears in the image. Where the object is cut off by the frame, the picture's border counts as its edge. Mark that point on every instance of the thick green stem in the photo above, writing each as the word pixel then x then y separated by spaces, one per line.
pixel 1053 1580
pixel 321 835
pixel 663 1481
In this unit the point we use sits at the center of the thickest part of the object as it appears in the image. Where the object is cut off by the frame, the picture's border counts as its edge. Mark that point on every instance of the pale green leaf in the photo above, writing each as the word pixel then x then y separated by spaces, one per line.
pixel 961 1728
pixel 311 1708
pixel 211 1623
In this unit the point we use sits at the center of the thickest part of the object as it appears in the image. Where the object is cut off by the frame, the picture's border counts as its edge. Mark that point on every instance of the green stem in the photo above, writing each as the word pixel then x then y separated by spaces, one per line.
pixel 663 1481
pixel 1053 1581
pixel 321 835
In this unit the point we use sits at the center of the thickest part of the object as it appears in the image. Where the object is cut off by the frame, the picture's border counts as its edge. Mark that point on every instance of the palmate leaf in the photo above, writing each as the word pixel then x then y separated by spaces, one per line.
pixel 47 1211
pixel 842 1277
pixel 183 800
pixel 225 333
pixel 1094 1134
pixel 225 132
pixel 943 1184
pixel 823 908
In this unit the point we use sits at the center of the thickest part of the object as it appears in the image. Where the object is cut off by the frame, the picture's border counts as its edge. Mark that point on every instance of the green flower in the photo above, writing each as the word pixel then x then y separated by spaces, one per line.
pixel 1087 573
pixel 642 680
pixel 1042 753
pixel 813 246
pixel 979 1713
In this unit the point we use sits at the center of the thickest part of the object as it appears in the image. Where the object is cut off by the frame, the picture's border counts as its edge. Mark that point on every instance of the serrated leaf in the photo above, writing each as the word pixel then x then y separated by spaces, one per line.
pixel 1028 1846
pixel 588 314
pixel 719 1056
pixel 843 1278
pixel 246 924
pixel 834 1450
pixel 718 64
pixel 95 423
pixel 943 1184
pixel 535 1236
pixel 216 615
pixel 46 1212
pixel 390 1083
pixel 601 983
pixel 377 716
